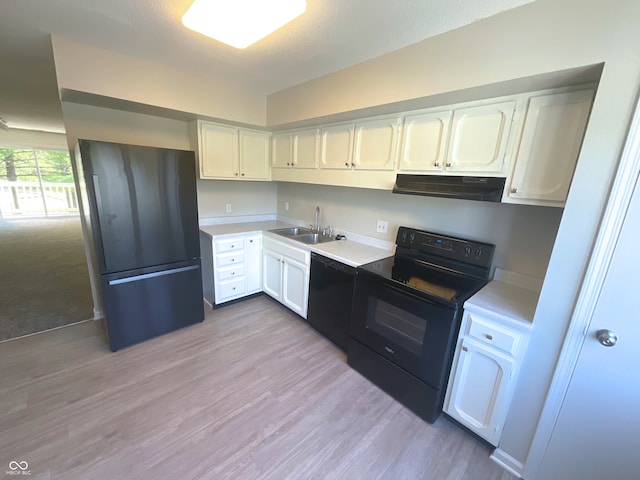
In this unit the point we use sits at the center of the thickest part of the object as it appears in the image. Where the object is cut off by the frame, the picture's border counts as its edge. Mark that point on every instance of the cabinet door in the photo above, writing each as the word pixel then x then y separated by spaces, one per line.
pixel 295 286
pixel 218 151
pixel 549 146
pixel 254 155
pixel 337 146
pixel 305 148
pixel 481 384
pixel 272 274
pixel 376 144
pixel 479 137
pixel 424 141
pixel 281 150
pixel 253 262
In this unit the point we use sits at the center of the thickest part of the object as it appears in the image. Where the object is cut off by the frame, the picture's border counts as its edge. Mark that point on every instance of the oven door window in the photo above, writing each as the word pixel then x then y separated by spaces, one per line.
pixel 402 327
pixel 412 332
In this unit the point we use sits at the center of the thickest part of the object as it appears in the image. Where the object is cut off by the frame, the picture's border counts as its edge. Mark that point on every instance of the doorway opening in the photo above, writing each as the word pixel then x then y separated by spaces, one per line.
pixel 44 282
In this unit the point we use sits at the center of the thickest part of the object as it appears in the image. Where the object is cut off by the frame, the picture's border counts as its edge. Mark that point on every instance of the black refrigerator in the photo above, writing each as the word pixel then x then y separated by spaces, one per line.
pixel 144 222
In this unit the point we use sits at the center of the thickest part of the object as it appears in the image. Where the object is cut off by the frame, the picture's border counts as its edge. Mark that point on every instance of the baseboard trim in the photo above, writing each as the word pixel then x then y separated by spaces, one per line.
pixel 506 461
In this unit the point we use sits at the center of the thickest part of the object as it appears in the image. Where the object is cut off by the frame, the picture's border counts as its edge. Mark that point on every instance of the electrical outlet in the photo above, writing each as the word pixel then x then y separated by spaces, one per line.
pixel 382 226
pixel 286 206
pixel 227 208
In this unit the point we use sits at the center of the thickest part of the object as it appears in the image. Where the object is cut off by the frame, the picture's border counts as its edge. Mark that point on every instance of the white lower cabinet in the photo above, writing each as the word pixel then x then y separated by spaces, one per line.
pixel 483 376
pixel 285 275
pixel 231 266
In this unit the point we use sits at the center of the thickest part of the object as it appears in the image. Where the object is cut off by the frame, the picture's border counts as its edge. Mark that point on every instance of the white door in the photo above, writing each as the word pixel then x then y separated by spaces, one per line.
pixel 424 141
pixel 549 147
pixel 376 144
pixel 254 155
pixel 337 146
pixel 253 262
pixel 481 379
pixel 295 286
pixel 478 140
pixel 597 433
pixel 218 151
pixel 272 274
pixel 305 148
pixel 281 150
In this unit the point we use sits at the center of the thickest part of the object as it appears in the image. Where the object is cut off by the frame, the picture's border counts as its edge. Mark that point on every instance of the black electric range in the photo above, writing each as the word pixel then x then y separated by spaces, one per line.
pixel 407 311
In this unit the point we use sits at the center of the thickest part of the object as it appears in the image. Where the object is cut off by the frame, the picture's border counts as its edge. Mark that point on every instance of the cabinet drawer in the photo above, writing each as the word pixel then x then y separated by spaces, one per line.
pixel 231 288
pixel 229 259
pixel 229 244
pixel 491 334
pixel 226 273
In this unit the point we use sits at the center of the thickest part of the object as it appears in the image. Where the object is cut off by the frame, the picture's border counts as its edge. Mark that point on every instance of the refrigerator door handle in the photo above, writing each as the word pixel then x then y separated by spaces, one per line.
pixel 98 198
pixel 146 276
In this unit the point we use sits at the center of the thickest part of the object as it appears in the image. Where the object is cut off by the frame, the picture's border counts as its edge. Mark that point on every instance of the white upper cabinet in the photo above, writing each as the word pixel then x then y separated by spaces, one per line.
pixel 478 140
pixel 232 153
pixel 424 141
pixel 336 146
pixel 548 149
pixel 254 155
pixel 218 152
pixel 376 144
pixel 282 150
pixel 305 148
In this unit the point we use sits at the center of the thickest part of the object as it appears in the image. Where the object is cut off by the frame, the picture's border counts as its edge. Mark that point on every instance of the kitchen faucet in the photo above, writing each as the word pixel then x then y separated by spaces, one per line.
pixel 316 227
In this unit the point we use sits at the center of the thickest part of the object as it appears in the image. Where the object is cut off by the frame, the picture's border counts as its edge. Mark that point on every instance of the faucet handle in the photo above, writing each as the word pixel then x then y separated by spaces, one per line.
pixel 328 230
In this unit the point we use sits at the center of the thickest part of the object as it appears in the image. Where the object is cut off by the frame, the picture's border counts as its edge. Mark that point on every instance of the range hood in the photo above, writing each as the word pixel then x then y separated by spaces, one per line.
pixel 488 189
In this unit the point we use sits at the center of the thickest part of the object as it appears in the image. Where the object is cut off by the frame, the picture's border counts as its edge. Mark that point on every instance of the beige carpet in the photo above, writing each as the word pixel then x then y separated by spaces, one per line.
pixel 43 275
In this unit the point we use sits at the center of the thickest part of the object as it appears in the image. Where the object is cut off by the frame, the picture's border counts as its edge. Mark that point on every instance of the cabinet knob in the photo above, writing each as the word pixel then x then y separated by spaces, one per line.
pixel 243 174
pixel 353 164
pixel 250 241
pixel 514 190
pixel 465 349
pixel 233 288
pixel 236 174
pixel 437 164
pixel 233 259
pixel 346 164
pixel 288 164
pixel 233 273
pixel 448 165
pixel 488 337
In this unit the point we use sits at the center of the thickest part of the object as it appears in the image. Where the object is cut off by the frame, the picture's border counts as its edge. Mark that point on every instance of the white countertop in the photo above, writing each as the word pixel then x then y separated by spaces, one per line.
pixel 510 303
pixel 348 252
pixel 244 227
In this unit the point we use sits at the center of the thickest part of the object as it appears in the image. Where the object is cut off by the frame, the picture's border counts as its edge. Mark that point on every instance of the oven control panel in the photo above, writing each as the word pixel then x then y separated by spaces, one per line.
pixel 468 251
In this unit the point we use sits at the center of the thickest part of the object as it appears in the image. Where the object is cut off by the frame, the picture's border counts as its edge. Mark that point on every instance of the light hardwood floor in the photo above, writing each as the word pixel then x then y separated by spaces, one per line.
pixel 251 393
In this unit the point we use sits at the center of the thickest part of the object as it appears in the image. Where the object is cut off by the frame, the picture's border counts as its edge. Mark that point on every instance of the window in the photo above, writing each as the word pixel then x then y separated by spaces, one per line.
pixel 36 183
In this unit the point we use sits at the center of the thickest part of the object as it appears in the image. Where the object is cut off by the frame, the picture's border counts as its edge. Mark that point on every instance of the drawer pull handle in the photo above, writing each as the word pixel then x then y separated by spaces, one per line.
pixel 488 337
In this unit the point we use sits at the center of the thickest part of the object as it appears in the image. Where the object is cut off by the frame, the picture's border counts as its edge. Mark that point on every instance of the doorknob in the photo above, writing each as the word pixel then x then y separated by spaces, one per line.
pixel 607 337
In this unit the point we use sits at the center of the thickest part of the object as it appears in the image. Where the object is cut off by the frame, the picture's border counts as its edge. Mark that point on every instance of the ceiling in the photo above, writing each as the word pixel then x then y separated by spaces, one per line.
pixel 330 36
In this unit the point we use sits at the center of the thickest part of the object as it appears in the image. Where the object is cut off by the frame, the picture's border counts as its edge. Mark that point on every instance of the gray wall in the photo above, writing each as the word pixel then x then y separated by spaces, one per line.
pixel 523 235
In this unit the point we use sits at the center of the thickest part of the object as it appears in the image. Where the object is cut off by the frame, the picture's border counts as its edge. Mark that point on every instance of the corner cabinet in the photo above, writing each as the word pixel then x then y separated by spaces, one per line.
pixel 285 275
pixel 231 153
pixel 231 266
pixel 486 364
pixel 547 153
pixel 295 149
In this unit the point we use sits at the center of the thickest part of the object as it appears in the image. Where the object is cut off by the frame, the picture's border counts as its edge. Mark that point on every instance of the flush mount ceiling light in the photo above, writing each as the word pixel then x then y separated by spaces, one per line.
pixel 240 23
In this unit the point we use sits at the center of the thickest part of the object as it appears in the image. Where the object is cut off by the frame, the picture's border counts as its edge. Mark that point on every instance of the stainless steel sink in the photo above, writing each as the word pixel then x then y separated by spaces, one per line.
pixel 313 238
pixel 292 232
pixel 304 235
